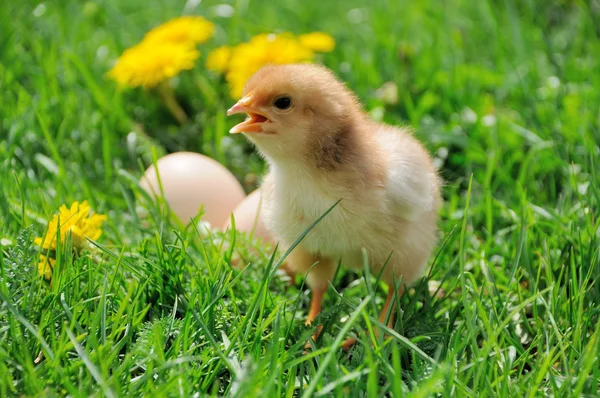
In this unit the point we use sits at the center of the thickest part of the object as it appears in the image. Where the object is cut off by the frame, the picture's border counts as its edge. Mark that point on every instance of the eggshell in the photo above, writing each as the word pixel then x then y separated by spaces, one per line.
pixel 191 180
pixel 248 218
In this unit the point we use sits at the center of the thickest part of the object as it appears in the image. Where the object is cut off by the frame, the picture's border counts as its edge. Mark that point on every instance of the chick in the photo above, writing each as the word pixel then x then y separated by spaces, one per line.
pixel 321 147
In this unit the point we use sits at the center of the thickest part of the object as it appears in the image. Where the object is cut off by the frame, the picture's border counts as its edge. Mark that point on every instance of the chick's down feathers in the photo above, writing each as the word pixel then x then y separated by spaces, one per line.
pixel 321 147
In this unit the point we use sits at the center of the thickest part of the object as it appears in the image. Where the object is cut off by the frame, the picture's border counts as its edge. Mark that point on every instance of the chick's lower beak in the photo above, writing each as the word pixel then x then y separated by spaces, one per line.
pixel 253 124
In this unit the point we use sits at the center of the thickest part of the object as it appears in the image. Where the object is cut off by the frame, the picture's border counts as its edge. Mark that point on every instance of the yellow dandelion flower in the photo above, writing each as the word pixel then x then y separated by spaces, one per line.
pixel 247 58
pixel 149 63
pixel 45 266
pixel 184 30
pixel 78 221
pixel 318 42
pixel 218 59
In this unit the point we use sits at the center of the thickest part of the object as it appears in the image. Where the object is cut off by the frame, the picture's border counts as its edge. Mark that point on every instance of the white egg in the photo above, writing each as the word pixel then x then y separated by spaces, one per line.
pixel 248 218
pixel 191 180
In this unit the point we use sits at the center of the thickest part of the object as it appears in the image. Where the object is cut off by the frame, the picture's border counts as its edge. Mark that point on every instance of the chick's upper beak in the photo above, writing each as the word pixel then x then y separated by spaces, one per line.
pixel 253 124
pixel 237 108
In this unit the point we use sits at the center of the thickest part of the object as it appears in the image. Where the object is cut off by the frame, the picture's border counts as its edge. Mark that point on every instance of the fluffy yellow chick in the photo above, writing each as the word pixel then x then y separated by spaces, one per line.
pixel 321 147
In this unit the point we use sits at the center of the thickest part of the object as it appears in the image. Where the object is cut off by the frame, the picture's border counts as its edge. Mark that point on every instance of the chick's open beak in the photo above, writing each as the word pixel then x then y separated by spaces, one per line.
pixel 254 121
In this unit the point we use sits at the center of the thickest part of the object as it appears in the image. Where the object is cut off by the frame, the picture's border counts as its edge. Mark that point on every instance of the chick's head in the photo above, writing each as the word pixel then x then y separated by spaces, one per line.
pixel 291 108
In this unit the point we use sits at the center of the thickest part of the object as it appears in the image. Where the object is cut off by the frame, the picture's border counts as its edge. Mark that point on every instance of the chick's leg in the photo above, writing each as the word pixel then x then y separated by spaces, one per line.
pixel 388 307
pixel 389 302
pixel 318 280
pixel 320 272
pixel 315 305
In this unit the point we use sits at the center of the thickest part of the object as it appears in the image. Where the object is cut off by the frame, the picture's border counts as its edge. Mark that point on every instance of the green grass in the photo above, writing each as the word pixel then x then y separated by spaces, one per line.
pixel 505 94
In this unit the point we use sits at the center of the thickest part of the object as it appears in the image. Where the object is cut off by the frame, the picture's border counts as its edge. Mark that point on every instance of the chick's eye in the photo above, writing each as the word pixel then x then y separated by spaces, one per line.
pixel 283 102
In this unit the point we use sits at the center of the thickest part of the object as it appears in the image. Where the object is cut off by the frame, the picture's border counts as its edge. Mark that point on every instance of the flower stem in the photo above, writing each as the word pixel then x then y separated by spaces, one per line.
pixel 168 97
